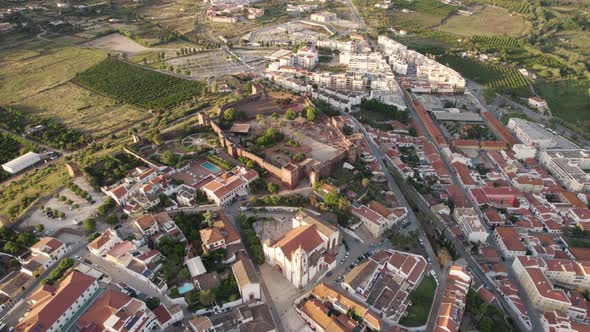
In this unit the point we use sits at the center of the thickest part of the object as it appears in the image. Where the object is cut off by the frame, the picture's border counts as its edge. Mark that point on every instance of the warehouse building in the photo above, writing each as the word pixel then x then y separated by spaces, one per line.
pixel 18 164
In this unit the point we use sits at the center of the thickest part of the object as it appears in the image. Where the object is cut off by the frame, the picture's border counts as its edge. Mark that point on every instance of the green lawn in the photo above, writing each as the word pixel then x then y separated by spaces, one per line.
pixel 421 298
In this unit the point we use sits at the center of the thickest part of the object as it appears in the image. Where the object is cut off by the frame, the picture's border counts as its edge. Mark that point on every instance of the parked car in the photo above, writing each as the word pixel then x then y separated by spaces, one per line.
pixel 329 274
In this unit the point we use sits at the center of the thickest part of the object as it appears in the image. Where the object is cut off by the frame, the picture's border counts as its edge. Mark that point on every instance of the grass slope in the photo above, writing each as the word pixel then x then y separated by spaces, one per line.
pixel 421 298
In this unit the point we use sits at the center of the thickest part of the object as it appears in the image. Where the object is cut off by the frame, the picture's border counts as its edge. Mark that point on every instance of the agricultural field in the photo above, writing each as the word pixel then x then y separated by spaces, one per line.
pixel 116 42
pixel 495 41
pixel 569 100
pixel 142 87
pixel 575 41
pixel 424 14
pixel 500 78
pixel 12 147
pixel 36 79
pixel 176 15
pixel 514 6
pixel 486 21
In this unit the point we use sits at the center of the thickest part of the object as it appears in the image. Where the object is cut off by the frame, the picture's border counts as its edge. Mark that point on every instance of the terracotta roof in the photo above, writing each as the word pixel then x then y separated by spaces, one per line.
pixel 102 239
pixel 146 221
pixel 244 271
pixel 306 237
pixel 110 304
pixel 52 302
pixel 47 245
pixel 162 314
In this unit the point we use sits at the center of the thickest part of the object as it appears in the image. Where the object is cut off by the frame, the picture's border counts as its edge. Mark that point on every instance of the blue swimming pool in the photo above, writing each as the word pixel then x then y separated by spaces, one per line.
pixel 211 167
pixel 185 288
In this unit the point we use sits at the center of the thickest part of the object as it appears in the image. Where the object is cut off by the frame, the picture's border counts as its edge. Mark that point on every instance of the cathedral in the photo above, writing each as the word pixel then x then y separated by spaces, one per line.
pixel 307 250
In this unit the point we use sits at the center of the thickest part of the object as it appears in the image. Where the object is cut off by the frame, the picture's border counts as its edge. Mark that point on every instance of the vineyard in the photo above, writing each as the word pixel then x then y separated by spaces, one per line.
pixel 135 85
pixel 516 6
pixel 496 41
pixel 501 79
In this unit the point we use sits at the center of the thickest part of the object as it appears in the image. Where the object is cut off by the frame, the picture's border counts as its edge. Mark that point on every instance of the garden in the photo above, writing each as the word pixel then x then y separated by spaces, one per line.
pixel 421 297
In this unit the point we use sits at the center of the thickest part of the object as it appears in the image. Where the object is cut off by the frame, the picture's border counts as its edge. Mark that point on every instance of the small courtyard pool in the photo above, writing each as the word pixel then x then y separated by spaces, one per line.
pixel 211 167
pixel 185 288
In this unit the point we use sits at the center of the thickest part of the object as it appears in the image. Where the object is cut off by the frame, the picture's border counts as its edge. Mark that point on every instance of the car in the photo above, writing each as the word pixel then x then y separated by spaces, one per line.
pixel 77 258
pixel 351 265
pixel 87 262
pixel 95 266
pixel 329 274
pixel 342 260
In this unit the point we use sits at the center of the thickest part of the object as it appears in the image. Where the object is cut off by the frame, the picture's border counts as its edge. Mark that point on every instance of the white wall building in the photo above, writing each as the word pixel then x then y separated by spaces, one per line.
pixel 18 164
pixel 470 224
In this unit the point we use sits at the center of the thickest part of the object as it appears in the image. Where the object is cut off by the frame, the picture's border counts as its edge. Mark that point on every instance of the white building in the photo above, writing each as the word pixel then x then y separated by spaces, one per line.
pixel 378 218
pixel 522 151
pixel 224 189
pixel 305 251
pixel 245 274
pixel 538 103
pixel 104 242
pixel 53 307
pixel 48 250
pixel 569 167
pixel 530 133
pixel 323 17
pixel 18 164
pixel 115 311
pixel 470 224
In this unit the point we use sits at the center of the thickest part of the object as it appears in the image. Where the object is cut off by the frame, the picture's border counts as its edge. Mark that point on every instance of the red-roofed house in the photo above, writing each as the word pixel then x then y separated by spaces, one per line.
pixel 53 307
pixel 508 241
pixel 104 242
pixel 115 311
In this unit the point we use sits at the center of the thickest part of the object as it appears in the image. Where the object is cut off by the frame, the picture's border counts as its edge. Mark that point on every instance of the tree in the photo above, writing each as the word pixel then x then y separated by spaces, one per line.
pixel 169 158
pixel 152 302
pixel 272 187
pixel 111 219
pixel 365 182
pixel 207 216
pixel 184 274
pixel 229 114
pixel 89 225
pixel 206 297
pixel 412 131
pixel 39 228
pixel 11 248
pixel 291 114
pixel 311 114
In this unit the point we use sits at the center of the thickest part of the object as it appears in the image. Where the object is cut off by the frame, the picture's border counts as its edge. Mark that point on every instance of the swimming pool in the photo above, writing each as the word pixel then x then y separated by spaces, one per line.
pixel 185 288
pixel 211 167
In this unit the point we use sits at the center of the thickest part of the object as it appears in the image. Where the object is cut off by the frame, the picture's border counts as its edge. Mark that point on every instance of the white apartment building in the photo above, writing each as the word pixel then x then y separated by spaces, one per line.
pixel 48 250
pixel 470 224
pixel 223 190
pixel 569 167
pixel 530 133
pixel 53 307
pixel 540 290
pixel 508 242
pixel 340 81
pixel 105 242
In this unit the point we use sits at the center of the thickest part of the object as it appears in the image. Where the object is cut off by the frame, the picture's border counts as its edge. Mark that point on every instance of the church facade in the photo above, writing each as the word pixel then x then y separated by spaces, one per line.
pixel 307 250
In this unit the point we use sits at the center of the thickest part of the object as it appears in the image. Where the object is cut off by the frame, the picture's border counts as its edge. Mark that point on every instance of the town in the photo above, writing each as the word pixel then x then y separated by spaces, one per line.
pixel 238 165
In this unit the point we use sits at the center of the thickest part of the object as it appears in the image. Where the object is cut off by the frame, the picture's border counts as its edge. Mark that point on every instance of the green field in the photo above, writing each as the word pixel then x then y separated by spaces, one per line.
pixel 568 100
pixel 421 298
pixel 515 6
pixel 142 87
pixel 35 77
pixel 500 78
pixel 486 21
